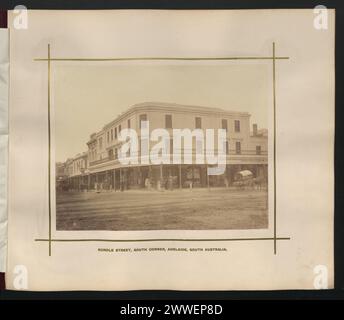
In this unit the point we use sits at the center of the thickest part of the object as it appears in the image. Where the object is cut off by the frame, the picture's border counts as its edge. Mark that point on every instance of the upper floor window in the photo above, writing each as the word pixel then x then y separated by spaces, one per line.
pixel 116 153
pixel 258 149
pixel 100 142
pixel 116 133
pixel 110 153
pixel 224 124
pixel 168 121
pixel 237 125
pixel 199 144
pixel 198 123
pixel 119 129
pixel 227 147
pixel 108 136
pixel 111 134
pixel 143 117
pixel 238 147
pixel 128 123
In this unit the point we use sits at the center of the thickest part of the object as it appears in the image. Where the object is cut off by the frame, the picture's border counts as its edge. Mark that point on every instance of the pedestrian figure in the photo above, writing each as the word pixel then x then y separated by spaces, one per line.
pixel 170 183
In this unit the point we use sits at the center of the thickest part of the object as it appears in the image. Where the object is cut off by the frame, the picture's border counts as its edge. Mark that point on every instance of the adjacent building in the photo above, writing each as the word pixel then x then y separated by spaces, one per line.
pixel 100 168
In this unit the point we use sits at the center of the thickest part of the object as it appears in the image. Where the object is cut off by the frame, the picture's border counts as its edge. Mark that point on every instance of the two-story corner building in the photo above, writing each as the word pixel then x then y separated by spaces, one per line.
pixel 78 172
pixel 244 149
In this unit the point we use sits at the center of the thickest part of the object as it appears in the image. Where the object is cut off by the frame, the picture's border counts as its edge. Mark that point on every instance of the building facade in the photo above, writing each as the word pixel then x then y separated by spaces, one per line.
pixel 99 168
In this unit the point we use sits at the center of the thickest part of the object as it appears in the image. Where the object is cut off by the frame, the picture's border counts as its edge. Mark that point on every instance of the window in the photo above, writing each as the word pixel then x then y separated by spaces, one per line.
pixel 108 136
pixel 224 124
pixel 236 125
pixel 110 152
pixel 116 153
pixel 199 145
pixel 111 134
pixel 237 147
pixel 255 129
pixel 130 148
pixel 116 133
pixel 198 122
pixel 143 117
pixel 128 123
pixel 258 149
pixel 119 129
pixel 168 121
pixel 139 148
pixel 227 147
pixel 167 145
pixel 171 146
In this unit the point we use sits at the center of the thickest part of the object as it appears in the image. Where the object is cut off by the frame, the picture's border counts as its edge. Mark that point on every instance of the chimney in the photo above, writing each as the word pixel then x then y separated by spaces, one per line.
pixel 255 129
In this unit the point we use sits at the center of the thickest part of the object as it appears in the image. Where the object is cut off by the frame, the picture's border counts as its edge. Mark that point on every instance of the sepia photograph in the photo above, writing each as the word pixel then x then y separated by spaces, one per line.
pixel 170 150
pixel 159 147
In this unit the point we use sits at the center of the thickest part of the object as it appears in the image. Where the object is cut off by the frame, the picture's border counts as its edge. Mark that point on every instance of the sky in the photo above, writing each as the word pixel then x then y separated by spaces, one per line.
pixel 88 96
